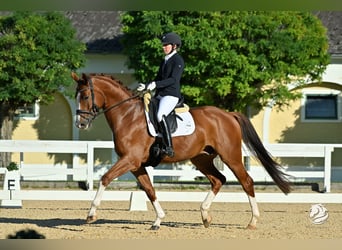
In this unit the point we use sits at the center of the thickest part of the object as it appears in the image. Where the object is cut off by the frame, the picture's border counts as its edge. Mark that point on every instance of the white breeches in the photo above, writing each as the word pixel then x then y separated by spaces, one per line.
pixel 166 105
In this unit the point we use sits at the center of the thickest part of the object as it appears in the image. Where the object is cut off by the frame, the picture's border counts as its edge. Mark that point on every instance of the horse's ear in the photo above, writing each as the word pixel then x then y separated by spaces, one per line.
pixel 84 77
pixel 75 76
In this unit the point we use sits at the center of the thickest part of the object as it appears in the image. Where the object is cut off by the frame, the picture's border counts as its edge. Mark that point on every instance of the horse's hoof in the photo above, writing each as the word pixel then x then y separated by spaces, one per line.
pixel 154 227
pixel 251 227
pixel 91 219
pixel 207 222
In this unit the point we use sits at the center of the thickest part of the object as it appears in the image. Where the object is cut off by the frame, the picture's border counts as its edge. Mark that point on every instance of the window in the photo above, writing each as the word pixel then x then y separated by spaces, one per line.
pixel 27 112
pixel 321 107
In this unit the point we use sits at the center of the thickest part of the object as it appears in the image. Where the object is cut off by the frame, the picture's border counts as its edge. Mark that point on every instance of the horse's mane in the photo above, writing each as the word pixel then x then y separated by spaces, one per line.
pixel 113 80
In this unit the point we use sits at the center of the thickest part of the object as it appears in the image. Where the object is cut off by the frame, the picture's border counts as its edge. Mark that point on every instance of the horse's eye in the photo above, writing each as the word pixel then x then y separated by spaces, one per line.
pixel 84 98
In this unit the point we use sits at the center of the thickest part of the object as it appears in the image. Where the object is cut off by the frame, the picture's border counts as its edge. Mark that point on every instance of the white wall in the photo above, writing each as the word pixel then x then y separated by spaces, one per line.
pixel 106 63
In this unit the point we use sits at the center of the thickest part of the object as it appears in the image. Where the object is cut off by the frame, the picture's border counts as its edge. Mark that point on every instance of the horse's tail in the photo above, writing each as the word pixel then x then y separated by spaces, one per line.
pixel 254 144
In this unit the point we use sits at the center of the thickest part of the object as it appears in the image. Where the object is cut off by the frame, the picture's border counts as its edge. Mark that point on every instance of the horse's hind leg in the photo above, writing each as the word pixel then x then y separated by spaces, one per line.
pixel 146 184
pixel 205 164
pixel 247 183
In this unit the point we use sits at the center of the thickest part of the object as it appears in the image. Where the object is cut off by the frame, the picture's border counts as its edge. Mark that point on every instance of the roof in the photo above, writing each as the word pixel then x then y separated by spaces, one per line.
pixel 332 20
pixel 99 30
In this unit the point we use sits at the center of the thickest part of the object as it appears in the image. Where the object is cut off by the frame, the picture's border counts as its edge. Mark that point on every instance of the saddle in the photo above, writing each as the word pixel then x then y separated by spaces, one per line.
pixel 180 122
pixel 152 105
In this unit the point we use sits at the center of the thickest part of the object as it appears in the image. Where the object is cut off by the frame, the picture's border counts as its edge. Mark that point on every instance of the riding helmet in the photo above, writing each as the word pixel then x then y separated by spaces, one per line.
pixel 171 38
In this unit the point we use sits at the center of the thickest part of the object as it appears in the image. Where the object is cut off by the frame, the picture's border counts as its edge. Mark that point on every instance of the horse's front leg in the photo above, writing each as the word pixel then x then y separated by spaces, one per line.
pixel 96 202
pixel 118 169
pixel 159 215
pixel 146 184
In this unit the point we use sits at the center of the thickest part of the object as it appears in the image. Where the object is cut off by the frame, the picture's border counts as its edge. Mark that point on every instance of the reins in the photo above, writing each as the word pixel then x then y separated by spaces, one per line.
pixel 118 104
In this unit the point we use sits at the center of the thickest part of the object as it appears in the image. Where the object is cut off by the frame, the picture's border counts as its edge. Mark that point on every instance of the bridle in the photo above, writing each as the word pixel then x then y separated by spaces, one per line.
pixel 94 112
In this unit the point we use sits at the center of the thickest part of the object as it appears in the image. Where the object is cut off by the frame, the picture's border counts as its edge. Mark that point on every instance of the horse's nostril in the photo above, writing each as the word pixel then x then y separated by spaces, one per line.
pixel 84 125
pixel 80 125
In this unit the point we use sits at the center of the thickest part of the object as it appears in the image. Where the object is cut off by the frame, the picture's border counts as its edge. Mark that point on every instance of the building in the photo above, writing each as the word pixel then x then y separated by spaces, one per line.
pixel 317 117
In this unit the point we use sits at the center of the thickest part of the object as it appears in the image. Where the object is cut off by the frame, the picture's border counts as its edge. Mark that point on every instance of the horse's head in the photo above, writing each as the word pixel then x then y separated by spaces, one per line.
pixel 87 109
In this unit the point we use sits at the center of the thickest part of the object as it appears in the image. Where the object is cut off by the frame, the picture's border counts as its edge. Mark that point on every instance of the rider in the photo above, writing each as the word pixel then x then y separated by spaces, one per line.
pixel 167 85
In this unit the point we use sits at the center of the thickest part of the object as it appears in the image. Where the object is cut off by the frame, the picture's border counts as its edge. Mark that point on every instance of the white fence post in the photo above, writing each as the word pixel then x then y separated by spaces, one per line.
pixel 327 168
pixel 90 164
pixel 150 173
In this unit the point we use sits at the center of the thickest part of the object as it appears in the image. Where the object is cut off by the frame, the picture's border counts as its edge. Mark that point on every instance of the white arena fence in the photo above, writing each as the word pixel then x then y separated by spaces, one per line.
pixel 12 195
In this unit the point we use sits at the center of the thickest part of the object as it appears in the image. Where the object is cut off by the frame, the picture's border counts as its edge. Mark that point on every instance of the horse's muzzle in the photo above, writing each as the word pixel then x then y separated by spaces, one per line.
pixel 84 119
pixel 81 125
pixel 82 122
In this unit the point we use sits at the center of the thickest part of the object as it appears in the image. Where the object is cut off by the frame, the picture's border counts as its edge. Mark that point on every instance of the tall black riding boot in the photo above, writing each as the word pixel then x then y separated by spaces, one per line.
pixel 167 140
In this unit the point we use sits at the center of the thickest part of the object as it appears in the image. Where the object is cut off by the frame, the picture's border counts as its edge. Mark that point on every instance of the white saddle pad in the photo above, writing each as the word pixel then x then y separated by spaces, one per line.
pixel 186 126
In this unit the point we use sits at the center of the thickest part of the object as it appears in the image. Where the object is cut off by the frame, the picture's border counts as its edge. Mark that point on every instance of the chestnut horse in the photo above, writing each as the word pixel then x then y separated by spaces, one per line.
pixel 217 133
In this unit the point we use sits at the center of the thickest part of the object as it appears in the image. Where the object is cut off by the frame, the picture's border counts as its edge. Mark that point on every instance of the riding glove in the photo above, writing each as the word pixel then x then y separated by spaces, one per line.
pixel 141 87
pixel 151 86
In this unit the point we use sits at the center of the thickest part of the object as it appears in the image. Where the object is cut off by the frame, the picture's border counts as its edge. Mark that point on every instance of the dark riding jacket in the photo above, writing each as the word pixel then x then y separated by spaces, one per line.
pixel 169 75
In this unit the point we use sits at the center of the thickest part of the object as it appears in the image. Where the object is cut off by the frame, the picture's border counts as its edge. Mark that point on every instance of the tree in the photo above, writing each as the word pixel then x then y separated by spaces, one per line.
pixel 233 59
pixel 37 53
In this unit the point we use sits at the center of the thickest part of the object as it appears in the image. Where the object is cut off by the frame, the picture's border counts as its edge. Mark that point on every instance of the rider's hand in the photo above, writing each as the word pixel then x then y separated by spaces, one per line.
pixel 141 87
pixel 151 86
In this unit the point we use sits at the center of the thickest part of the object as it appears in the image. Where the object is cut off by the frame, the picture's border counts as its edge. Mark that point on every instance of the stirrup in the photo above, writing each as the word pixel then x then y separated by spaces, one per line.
pixel 168 151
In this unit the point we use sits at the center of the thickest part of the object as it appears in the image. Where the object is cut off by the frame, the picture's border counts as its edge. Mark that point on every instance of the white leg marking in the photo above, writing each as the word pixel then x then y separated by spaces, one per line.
pixel 159 213
pixel 205 206
pixel 255 212
pixel 97 200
